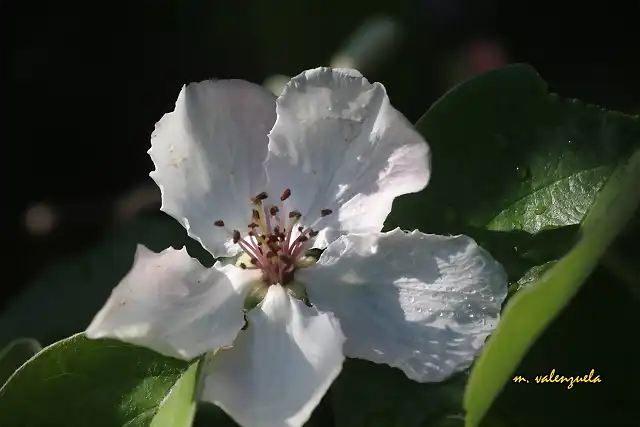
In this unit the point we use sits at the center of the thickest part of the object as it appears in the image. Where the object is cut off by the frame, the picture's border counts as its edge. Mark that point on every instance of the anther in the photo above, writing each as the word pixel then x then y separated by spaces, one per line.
pixel 303 239
pixel 295 214
pixel 259 198
pixel 273 210
pixel 254 261
pixel 243 266
pixel 300 229
pixel 255 215
pixel 285 195
pixel 325 212
pixel 253 225
pixel 236 236
pixel 313 233
pixel 219 223
pixel 276 230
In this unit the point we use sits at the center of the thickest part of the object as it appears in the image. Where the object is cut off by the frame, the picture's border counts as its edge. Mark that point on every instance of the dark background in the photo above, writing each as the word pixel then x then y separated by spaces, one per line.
pixel 84 82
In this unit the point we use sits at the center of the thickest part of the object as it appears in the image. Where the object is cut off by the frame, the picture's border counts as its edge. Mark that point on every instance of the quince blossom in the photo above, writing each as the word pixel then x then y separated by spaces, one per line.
pixel 266 181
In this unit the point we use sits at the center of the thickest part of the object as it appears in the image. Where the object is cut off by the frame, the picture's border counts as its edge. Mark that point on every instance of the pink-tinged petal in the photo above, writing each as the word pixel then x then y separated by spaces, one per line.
pixel 208 155
pixel 170 303
pixel 338 144
pixel 418 302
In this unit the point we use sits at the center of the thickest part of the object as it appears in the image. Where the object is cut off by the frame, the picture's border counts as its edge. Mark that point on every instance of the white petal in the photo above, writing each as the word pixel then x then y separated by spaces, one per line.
pixel 338 144
pixel 172 304
pixel 279 367
pixel 422 303
pixel 209 155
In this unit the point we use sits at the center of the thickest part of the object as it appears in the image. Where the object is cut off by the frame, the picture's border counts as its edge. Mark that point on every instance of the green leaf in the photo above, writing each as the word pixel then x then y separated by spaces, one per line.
pixel 371 395
pixel 83 382
pixel 80 286
pixel 15 354
pixel 530 311
pixel 508 156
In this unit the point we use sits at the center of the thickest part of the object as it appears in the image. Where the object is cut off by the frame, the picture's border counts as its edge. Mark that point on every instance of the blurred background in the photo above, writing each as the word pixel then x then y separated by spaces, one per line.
pixel 84 82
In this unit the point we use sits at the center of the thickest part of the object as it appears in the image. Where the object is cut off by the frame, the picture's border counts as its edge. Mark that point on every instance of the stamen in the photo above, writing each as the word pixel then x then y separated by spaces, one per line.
pixel 300 229
pixel 295 214
pixel 325 212
pixel 243 266
pixel 267 218
pixel 273 210
pixel 256 217
pixel 247 246
pixel 298 245
pixel 219 223
pixel 313 233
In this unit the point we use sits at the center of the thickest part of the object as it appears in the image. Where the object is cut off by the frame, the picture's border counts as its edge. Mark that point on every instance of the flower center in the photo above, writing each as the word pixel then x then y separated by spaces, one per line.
pixel 269 242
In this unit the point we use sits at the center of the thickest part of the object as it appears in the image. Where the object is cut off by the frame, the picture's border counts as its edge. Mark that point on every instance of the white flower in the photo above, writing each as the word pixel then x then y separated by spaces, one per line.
pixel 267 180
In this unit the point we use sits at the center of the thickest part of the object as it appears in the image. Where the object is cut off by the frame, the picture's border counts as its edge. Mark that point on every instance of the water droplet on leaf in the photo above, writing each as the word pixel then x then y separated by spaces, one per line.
pixel 540 209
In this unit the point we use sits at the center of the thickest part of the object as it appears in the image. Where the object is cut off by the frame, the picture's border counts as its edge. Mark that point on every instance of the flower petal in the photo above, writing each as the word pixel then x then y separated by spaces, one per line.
pixel 209 155
pixel 280 367
pixel 419 302
pixel 172 304
pixel 338 144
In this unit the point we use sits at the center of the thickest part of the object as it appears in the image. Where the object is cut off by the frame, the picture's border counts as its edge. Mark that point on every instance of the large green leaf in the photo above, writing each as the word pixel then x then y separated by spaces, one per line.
pixel 509 156
pixel 531 310
pixel 83 382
